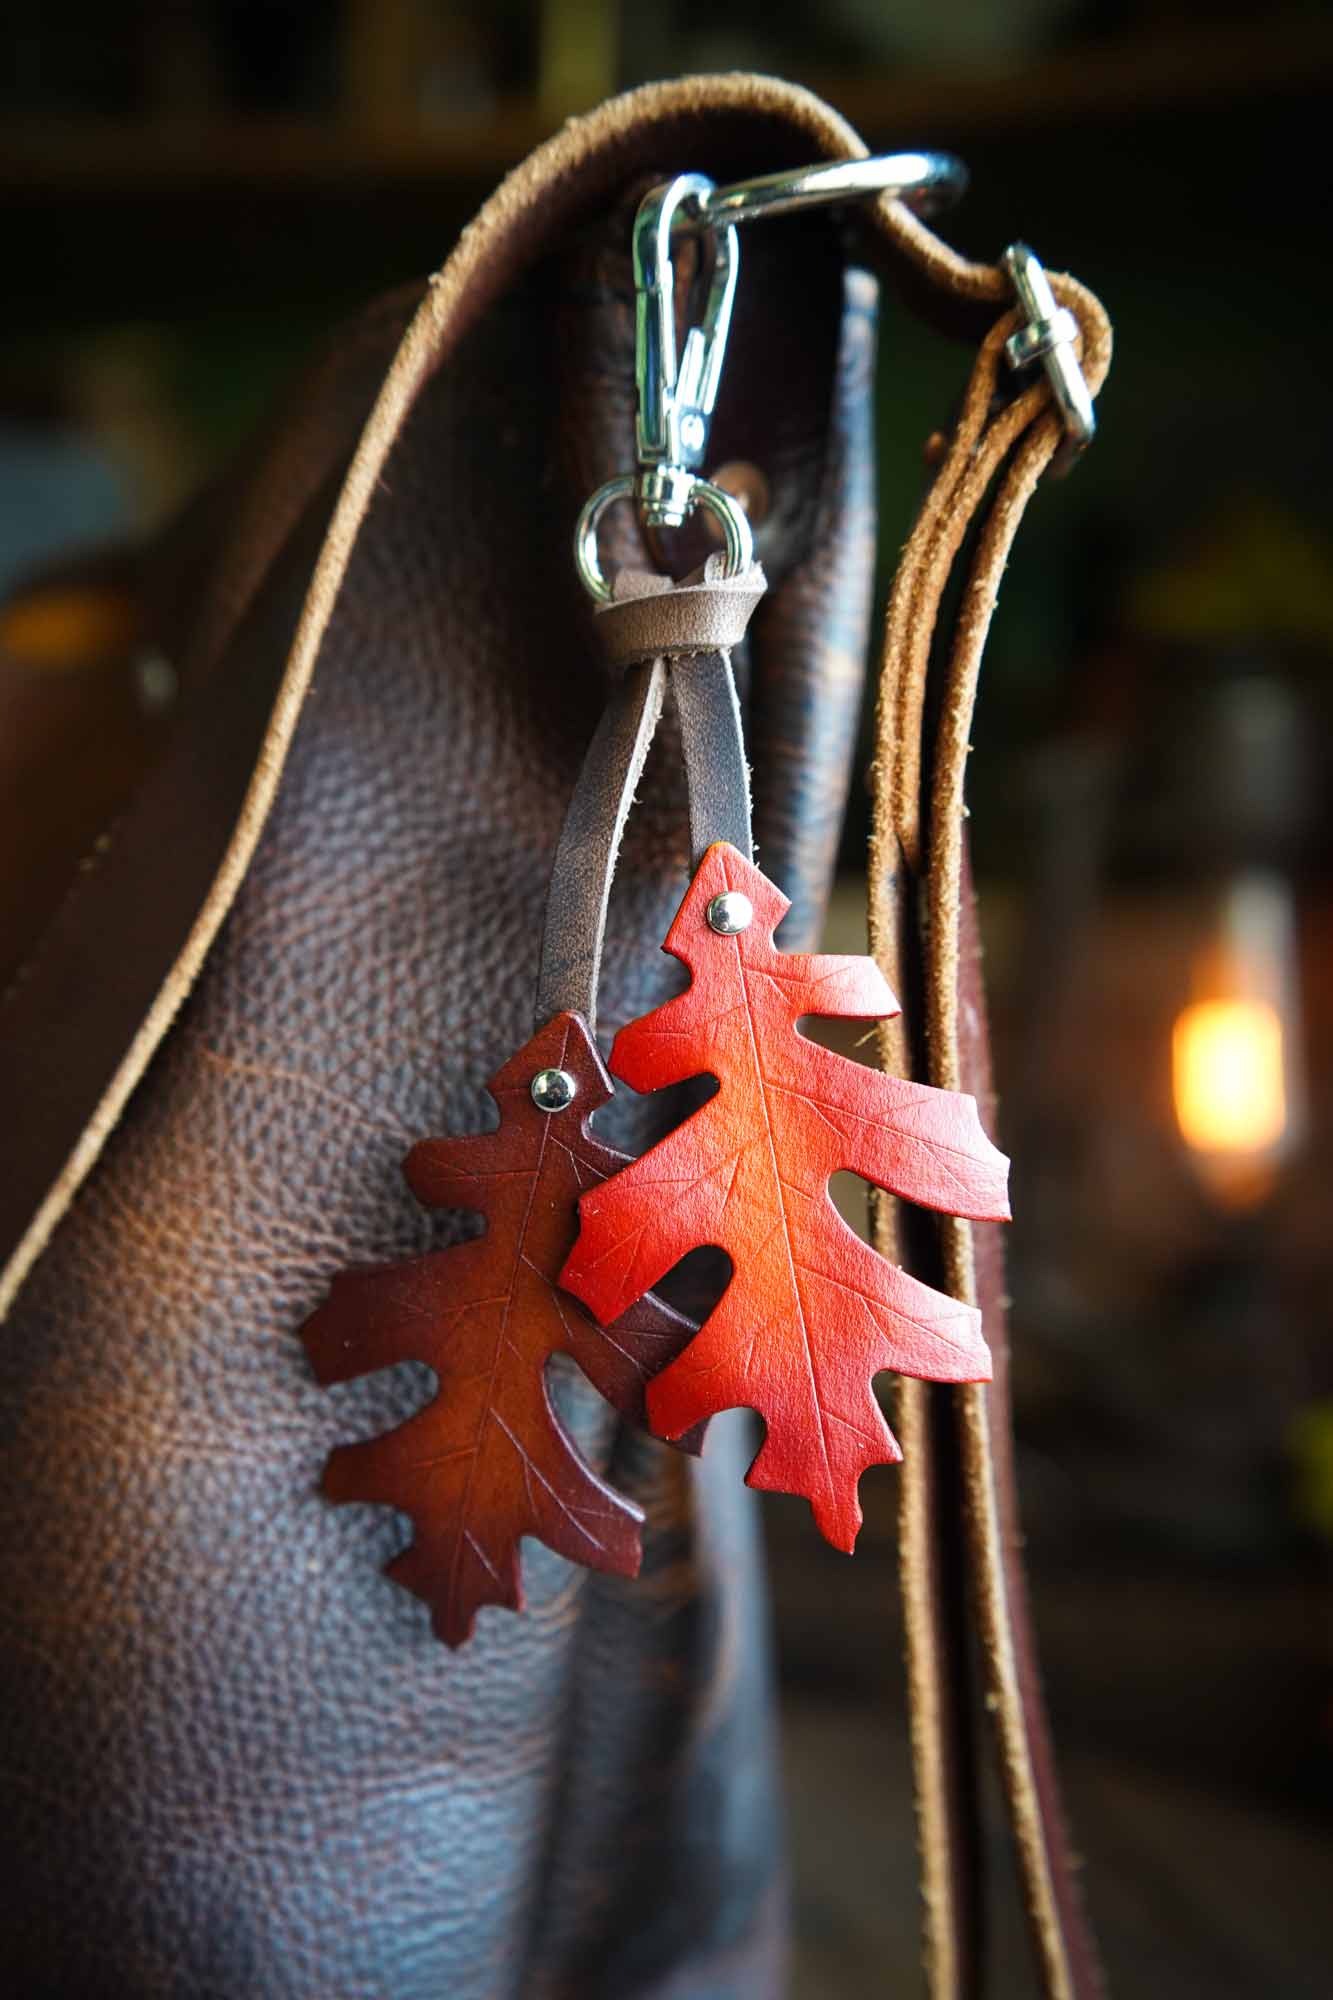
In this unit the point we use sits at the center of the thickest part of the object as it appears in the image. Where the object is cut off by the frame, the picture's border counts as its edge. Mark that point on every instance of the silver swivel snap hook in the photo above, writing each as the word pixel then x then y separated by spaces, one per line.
pixel 1050 335
pixel 676 394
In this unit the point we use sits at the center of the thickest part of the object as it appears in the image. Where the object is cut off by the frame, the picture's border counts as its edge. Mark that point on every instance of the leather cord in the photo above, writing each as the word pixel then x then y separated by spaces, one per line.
pixel 589 844
pixel 919 886
pixel 653 631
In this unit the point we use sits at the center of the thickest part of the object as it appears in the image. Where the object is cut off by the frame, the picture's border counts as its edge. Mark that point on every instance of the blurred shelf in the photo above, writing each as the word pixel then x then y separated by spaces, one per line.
pixel 251 157
pixel 1108 84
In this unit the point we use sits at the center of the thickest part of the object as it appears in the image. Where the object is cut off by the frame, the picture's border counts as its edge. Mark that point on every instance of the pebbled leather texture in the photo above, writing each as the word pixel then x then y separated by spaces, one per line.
pixel 233 1760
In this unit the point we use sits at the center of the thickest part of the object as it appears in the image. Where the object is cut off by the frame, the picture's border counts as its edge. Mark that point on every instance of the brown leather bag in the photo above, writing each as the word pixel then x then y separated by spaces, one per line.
pixel 235 1761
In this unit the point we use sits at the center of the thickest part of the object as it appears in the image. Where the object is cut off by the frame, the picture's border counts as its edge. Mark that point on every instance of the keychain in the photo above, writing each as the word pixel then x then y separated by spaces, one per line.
pixel 576 1235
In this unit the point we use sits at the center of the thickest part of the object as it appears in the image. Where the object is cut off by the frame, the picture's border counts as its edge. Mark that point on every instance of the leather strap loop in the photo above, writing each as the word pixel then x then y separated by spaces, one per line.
pixel 589 846
pixel 649 614
pixel 649 617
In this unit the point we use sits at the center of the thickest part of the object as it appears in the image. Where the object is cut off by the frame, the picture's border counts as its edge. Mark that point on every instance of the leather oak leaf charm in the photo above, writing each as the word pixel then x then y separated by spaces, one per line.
pixel 488 1460
pixel 811 1313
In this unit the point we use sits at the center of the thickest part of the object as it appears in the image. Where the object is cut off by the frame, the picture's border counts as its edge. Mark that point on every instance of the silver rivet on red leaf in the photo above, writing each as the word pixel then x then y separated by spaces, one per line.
pixel 730 912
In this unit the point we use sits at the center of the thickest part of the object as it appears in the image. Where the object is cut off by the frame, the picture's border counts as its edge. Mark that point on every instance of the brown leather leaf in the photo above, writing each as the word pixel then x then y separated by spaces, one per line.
pixel 488 1461
pixel 811 1313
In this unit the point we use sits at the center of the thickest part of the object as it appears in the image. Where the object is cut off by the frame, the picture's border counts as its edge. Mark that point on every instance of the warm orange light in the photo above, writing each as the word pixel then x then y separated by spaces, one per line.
pixel 67 627
pixel 1229 1077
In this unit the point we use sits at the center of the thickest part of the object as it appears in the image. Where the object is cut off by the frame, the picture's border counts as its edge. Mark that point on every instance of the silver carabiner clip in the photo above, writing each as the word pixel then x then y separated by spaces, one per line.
pixel 676 395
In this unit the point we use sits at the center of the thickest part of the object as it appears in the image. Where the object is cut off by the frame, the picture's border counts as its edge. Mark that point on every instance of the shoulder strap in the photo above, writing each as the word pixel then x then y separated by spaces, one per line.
pixel 920 890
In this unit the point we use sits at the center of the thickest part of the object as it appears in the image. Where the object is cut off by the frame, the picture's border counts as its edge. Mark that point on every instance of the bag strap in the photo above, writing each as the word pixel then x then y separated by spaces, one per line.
pixel 919 886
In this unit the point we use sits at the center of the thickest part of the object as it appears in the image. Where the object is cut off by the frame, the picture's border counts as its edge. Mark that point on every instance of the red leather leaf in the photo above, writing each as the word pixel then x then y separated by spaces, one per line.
pixel 488 1461
pixel 811 1312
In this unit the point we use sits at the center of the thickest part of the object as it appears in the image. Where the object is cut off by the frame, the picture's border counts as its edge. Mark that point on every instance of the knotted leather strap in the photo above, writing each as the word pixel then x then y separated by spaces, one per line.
pixel 652 631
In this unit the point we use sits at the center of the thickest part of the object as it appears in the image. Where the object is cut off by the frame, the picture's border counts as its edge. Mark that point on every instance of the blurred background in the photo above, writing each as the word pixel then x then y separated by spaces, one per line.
pixel 191 195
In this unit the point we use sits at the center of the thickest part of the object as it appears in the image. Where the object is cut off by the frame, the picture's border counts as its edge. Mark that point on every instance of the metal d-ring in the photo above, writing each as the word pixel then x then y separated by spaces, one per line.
pixel 924 181
pixel 730 516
